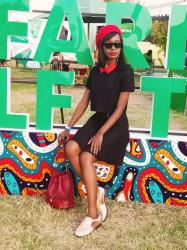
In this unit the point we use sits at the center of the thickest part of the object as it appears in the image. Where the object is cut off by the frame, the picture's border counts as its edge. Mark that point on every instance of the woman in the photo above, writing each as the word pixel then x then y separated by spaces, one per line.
pixel 105 135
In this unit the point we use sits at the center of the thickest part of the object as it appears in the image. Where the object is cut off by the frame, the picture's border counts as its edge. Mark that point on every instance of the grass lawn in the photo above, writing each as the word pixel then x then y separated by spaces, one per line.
pixel 23 100
pixel 182 73
pixel 27 223
pixel 139 108
pixel 21 72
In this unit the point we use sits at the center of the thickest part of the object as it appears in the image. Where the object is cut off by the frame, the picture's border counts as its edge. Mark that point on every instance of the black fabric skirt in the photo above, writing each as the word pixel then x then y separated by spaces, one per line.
pixel 114 142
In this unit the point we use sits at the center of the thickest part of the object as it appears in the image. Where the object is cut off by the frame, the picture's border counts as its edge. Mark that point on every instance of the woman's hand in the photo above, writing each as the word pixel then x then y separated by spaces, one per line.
pixel 63 136
pixel 96 142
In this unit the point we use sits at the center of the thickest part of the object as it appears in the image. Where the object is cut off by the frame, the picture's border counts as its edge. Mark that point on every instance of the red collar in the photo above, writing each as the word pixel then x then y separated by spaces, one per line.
pixel 108 69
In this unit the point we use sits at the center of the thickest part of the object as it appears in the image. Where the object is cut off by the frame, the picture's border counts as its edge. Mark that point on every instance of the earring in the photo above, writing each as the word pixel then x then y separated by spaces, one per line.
pixel 117 60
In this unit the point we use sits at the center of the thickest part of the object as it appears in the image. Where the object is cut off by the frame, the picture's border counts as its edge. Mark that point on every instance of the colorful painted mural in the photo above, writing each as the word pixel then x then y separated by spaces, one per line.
pixel 153 170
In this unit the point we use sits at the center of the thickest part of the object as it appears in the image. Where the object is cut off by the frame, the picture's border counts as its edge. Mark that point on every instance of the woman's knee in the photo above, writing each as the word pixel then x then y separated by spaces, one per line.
pixel 86 158
pixel 72 148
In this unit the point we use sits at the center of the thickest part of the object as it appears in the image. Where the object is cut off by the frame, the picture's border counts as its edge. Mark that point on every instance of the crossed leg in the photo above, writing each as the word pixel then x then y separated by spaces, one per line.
pixel 82 162
pixel 73 151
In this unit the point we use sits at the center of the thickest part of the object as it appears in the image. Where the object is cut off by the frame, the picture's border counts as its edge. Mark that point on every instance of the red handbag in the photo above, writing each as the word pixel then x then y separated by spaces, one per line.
pixel 60 192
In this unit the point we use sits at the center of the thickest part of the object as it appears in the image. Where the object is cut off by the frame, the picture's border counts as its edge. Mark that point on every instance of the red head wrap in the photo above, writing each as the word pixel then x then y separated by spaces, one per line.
pixel 105 30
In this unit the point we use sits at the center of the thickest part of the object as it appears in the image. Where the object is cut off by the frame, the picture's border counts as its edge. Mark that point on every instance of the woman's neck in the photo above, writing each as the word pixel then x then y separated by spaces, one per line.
pixel 109 62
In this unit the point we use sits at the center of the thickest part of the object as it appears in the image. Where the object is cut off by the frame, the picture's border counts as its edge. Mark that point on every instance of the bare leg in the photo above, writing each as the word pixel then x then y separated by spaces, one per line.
pixel 73 151
pixel 90 181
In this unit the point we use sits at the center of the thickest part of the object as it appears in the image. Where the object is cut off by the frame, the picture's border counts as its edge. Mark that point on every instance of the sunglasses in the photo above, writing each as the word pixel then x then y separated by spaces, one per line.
pixel 116 45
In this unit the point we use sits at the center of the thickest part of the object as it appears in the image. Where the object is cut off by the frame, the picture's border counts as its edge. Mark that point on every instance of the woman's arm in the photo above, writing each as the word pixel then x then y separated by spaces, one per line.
pixel 81 107
pixel 96 141
pixel 79 111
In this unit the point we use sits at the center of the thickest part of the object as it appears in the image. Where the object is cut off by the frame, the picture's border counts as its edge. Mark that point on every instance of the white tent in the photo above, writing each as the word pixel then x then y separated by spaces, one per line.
pixel 158 7
pixel 86 6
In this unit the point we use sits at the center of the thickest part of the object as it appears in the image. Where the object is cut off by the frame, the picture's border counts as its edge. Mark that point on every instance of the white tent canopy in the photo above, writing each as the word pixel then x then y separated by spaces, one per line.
pixel 86 6
pixel 159 7
pixel 156 8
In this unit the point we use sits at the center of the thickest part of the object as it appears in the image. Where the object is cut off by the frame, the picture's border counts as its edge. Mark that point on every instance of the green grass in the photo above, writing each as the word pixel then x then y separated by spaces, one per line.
pixel 28 223
pixel 21 72
pixel 23 100
pixel 180 72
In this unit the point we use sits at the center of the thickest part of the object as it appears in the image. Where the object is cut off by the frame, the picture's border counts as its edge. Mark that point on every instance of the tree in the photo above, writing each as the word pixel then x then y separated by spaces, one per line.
pixel 159 35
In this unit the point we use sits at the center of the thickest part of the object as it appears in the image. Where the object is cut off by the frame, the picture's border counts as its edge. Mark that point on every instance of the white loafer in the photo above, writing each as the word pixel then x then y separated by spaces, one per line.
pixel 87 226
pixel 101 206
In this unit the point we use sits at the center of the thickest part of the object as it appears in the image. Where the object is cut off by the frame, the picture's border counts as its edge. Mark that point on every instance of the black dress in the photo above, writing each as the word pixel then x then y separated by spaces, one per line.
pixel 105 90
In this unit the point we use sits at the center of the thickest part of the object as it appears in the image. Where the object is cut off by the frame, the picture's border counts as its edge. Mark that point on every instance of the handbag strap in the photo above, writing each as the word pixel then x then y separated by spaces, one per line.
pixel 66 161
pixel 56 164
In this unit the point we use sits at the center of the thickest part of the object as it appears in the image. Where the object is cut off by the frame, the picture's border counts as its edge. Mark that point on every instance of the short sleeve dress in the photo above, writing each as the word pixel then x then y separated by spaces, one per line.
pixel 104 94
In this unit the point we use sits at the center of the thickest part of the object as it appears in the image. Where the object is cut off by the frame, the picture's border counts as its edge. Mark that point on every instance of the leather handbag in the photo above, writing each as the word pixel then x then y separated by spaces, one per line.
pixel 60 192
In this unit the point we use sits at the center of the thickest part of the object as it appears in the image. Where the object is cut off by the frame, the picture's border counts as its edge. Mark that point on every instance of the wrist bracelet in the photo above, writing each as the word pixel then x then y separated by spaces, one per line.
pixel 68 128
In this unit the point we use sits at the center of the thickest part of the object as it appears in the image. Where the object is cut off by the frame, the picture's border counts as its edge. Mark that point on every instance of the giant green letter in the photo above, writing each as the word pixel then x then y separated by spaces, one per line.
pixel 177 37
pixel 162 89
pixel 46 99
pixel 143 22
pixel 11 28
pixel 79 43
